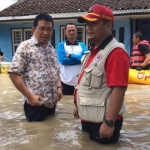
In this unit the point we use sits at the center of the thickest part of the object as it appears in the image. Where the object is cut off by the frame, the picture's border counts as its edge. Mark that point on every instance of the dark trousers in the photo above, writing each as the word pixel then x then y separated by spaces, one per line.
pixel 37 113
pixel 93 130
pixel 67 89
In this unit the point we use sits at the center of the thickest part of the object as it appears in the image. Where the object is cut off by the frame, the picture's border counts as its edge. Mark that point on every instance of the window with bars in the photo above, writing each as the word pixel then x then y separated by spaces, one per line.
pixel 53 39
pixel 27 34
pixel 16 38
pixel 80 34
pixel 121 34
pixel 19 35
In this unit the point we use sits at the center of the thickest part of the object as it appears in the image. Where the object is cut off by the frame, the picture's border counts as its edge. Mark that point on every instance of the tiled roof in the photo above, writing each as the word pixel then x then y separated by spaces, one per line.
pixel 32 7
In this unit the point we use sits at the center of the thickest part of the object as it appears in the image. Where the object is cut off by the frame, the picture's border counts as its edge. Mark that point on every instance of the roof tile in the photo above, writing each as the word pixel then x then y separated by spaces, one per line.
pixel 32 7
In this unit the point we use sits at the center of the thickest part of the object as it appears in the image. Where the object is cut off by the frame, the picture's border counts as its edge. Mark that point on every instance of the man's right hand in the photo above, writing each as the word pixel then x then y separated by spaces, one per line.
pixel 75 113
pixel 35 100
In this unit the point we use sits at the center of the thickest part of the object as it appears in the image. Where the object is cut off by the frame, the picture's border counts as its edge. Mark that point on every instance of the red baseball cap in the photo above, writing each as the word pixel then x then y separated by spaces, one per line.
pixel 97 12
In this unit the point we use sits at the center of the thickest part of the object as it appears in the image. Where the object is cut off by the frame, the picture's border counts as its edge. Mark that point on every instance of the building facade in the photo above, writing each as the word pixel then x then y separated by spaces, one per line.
pixel 16 22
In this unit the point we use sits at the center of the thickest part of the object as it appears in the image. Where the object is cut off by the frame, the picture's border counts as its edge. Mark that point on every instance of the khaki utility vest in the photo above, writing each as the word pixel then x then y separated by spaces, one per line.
pixel 93 93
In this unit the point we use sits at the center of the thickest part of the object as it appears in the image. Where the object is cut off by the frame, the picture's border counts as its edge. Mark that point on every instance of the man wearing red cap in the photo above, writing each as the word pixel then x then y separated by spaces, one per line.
pixel 101 86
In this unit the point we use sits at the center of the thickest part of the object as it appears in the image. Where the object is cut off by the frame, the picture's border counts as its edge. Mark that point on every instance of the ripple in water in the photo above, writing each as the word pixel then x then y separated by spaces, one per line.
pixel 67 139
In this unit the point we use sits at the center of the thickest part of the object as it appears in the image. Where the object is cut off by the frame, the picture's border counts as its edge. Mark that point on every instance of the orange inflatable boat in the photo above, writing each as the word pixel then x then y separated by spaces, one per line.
pixel 139 77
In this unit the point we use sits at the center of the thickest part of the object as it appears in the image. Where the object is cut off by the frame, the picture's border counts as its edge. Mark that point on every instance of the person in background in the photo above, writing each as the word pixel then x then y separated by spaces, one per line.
pixel 70 53
pixel 140 54
pixel 1 56
pixel 101 86
pixel 35 71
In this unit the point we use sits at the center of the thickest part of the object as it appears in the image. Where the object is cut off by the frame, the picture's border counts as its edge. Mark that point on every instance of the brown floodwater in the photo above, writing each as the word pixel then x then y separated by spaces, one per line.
pixel 62 131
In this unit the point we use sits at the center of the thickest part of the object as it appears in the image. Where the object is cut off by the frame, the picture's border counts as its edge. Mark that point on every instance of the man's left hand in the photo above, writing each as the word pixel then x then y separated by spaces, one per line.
pixel 106 131
pixel 59 94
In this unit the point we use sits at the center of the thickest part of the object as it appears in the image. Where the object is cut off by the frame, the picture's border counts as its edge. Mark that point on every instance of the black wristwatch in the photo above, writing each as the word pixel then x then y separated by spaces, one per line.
pixel 110 123
pixel 59 87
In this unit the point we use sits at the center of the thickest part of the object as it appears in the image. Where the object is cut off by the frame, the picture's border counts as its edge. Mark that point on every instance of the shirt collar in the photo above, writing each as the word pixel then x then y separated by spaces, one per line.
pixel 69 43
pixel 103 44
pixel 36 42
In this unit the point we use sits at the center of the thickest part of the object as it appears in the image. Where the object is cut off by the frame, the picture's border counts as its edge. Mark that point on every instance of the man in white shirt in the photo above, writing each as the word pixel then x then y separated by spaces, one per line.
pixel 70 53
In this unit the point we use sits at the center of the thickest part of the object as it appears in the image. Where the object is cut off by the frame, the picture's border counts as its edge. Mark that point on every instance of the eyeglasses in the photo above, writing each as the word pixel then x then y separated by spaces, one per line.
pixel 42 29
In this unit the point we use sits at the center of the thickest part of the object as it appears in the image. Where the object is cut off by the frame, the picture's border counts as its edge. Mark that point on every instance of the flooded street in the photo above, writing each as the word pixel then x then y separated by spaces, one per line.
pixel 62 131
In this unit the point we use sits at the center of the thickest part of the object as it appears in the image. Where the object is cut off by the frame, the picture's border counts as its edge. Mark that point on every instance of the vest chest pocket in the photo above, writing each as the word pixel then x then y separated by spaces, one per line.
pixel 96 78
pixel 87 77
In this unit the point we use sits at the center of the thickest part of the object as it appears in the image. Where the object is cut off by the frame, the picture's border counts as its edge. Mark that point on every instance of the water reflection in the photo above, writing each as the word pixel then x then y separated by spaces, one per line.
pixel 62 132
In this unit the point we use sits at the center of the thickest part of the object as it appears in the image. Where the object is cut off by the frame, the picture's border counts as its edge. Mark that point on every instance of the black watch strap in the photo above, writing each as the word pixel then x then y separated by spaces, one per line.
pixel 59 87
pixel 110 123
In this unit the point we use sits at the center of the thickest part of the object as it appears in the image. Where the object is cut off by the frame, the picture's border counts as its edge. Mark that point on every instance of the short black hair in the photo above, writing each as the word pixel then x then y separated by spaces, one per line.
pixel 1 53
pixel 114 32
pixel 106 21
pixel 69 23
pixel 138 35
pixel 43 16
